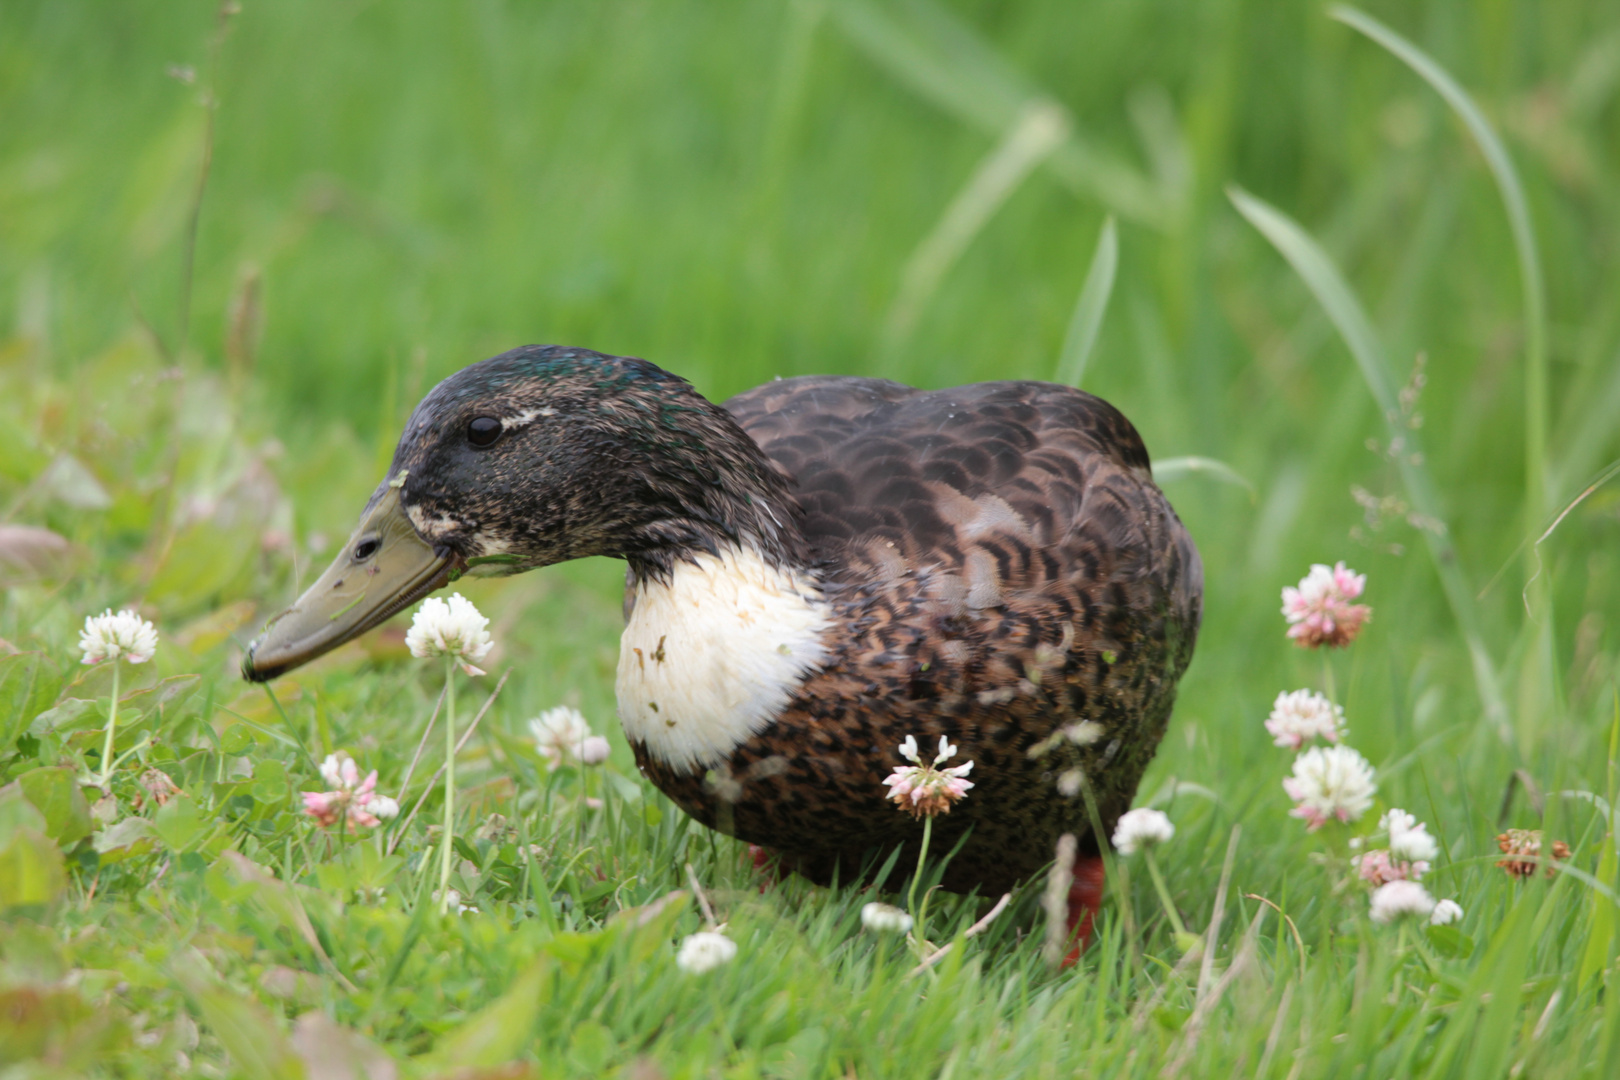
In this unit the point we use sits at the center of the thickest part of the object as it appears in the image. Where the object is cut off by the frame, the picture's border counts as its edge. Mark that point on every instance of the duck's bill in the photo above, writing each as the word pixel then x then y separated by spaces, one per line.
pixel 383 569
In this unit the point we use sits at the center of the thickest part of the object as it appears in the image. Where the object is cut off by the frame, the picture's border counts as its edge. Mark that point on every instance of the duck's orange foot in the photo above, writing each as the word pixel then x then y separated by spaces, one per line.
pixel 1085 901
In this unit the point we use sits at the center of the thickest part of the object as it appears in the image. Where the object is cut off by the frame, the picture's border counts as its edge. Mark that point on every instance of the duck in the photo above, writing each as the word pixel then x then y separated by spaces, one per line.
pixel 818 570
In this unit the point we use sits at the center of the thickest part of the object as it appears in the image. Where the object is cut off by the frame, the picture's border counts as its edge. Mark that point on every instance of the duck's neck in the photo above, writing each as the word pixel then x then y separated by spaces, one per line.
pixel 765 528
pixel 727 617
pixel 703 487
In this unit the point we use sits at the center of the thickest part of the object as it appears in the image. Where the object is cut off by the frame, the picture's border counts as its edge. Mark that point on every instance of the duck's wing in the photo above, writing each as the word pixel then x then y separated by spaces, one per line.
pixel 1052 472
pixel 1025 498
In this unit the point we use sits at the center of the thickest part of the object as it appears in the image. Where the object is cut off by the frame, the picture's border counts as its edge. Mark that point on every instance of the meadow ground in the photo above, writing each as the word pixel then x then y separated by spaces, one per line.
pixel 1377 287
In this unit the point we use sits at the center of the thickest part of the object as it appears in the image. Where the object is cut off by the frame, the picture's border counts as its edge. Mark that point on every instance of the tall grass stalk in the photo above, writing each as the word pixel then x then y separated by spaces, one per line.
pixel 1177 468
pixel 210 104
pixel 1331 290
pixel 1090 308
pixel 1524 243
pixel 943 59
pixel 1033 135
pixel 1536 690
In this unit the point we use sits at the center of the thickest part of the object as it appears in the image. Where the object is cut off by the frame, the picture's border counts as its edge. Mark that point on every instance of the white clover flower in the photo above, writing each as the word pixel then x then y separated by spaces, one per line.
pixel 1140 829
pixel 1330 782
pixel 885 919
pixel 594 750
pixel 927 790
pixel 1415 846
pixel 124 636
pixel 383 807
pixel 562 733
pixel 1299 716
pixel 340 771
pixel 1400 900
pixel 705 951
pixel 1409 838
pixel 454 629
pixel 1397 820
pixel 1445 913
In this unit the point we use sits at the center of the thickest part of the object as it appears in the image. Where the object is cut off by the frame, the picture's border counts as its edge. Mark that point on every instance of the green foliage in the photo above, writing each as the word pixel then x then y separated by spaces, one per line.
pixel 244 1028
pixel 54 792
pixel 915 189
pixel 28 684
pixel 32 876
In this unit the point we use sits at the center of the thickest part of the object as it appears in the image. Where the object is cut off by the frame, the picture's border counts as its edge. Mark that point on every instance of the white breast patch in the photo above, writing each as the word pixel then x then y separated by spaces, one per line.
pixel 709 659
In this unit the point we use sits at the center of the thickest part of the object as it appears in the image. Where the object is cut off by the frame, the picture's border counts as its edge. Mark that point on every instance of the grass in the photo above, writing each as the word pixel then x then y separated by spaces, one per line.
pixel 903 189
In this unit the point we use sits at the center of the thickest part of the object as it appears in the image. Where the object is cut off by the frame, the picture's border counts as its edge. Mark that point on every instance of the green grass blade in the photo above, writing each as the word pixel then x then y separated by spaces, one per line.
pixel 1600 923
pixel 1524 241
pixel 938 58
pixel 1590 434
pixel 1033 135
pixel 246 1029
pixel 1497 976
pixel 946 62
pixel 1177 468
pixel 1537 676
pixel 1325 281
pixel 499 1031
pixel 1090 308
pixel 1609 472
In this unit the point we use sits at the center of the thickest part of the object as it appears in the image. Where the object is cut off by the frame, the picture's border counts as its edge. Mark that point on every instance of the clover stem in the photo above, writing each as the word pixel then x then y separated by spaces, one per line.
pixel 112 726
pixel 449 780
pixel 1400 959
pixel 1164 893
pixel 922 858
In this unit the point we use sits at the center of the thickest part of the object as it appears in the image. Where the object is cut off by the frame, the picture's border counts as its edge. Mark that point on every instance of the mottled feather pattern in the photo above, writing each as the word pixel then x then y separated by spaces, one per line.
pixel 999 564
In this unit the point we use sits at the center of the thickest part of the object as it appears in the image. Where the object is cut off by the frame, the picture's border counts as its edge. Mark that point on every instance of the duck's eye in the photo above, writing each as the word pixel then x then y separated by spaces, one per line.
pixel 366 548
pixel 483 431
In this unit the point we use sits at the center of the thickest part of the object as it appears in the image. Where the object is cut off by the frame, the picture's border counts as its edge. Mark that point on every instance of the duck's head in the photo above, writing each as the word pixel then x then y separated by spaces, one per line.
pixel 536 456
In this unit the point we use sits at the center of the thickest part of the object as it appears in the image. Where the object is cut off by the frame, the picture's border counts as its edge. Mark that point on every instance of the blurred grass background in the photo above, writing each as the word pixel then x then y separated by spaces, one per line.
pixel 748 190
pixel 735 193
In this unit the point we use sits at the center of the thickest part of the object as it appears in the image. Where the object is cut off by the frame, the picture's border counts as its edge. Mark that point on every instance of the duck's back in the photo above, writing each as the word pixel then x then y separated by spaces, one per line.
pixel 1002 493
pixel 1038 463
pixel 1000 565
